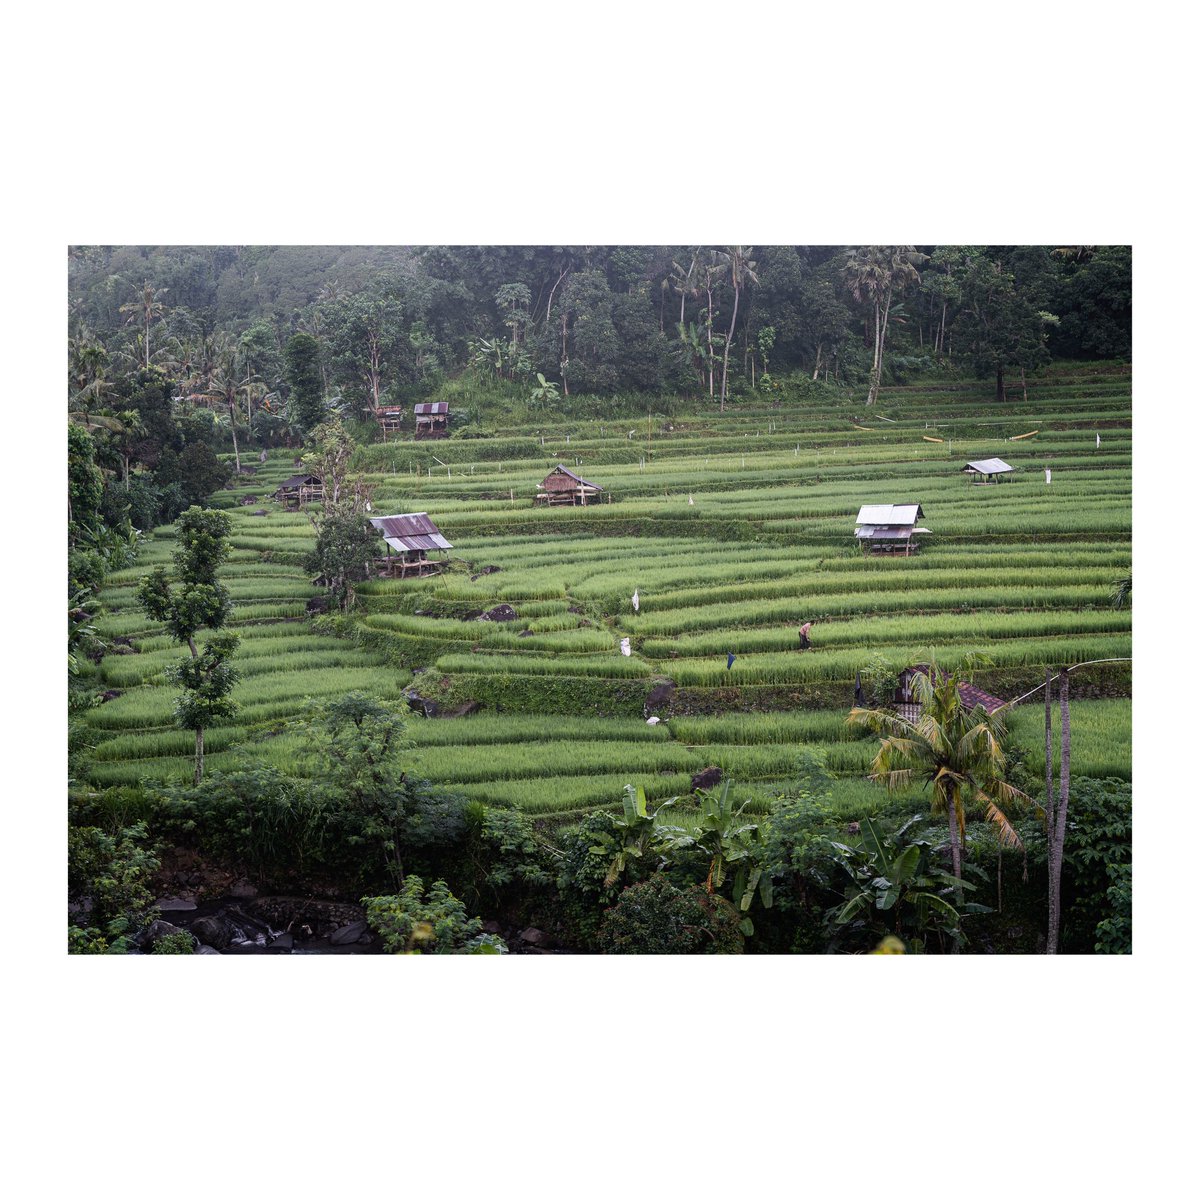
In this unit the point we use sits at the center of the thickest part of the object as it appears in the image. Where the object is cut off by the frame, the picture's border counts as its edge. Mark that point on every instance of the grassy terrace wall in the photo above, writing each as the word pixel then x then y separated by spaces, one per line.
pixel 732 529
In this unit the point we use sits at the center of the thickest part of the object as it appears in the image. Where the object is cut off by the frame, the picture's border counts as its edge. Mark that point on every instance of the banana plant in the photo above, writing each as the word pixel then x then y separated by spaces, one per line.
pixel 731 841
pixel 631 835
pixel 898 875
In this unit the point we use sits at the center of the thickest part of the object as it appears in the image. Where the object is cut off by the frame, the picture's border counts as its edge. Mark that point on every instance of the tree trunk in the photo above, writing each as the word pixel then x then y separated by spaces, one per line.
pixel 1060 814
pixel 199 757
pixel 728 343
pixel 237 461
pixel 817 368
pixel 562 366
pixel 711 372
pixel 955 850
pixel 1024 389
pixel 999 383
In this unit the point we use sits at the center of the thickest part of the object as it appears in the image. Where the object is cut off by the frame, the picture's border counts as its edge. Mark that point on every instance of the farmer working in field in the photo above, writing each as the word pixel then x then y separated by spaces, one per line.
pixel 805 644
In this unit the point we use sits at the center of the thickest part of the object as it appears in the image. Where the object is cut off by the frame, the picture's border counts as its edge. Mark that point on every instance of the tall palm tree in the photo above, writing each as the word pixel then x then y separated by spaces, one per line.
pixel 741 272
pixel 146 309
pixel 224 386
pixel 955 749
pixel 875 275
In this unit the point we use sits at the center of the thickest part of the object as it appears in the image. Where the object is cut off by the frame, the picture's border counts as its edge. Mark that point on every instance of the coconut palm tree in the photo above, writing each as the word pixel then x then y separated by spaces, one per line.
pixel 224 386
pixel 146 310
pixel 741 272
pixel 955 749
pixel 875 275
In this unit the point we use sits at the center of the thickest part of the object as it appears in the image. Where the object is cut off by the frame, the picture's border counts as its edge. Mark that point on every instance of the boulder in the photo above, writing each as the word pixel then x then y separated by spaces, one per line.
pixel 534 937
pixel 347 934
pixel 213 931
pixel 283 944
pixel 502 612
pixel 155 930
pixel 207 950
pixel 177 904
pixel 243 890
pixel 708 778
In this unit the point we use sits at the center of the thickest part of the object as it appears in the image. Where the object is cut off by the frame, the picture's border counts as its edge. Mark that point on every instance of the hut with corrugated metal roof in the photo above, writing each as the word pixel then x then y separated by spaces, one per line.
pixel 987 470
pixel 889 528
pixel 907 707
pixel 411 536
pixel 565 487
pixel 432 419
pixel 390 417
pixel 300 489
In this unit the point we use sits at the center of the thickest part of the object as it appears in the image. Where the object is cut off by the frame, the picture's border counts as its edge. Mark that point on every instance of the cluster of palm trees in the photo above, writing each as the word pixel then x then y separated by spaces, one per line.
pixel 216 371
pixel 708 269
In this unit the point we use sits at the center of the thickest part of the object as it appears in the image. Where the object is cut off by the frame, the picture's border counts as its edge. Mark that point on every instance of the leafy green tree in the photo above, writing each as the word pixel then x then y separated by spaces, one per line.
pixel 346 547
pixel 85 483
pixel 367 343
pixel 196 473
pixel 198 602
pixel 360 747
pixel 302 370
pixel 545 394
pixel 998 326
pixel 955 750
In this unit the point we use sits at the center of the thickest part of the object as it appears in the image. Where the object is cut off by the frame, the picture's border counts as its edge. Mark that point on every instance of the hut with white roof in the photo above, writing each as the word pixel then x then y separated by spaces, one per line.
pixel 889 528
pixel 987 470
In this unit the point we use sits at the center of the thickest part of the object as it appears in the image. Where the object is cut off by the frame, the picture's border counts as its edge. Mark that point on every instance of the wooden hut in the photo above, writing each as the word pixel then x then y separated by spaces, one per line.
pixel 432 419
pixel 987 470
pixel 907 707
pixel 565 487
pixel 889 528
pixel 300 489
pixel 390 417
pixel 411 536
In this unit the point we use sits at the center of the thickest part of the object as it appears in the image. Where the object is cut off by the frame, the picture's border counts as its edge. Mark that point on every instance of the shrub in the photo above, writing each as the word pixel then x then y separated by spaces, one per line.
pixel 175 943
pixel 414 922
pixel 656 917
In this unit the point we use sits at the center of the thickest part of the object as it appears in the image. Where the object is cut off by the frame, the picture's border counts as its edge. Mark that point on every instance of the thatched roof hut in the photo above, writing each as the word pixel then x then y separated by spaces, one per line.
pixel 562 486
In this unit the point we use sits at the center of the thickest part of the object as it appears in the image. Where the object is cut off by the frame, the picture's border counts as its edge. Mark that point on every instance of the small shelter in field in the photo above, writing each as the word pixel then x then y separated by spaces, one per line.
pixel 432 419
pixel 987 470
pixel 565 487
pixel 411 536
pixel 905 700
pixel 300 489
pixel 389 417
pixel 889 528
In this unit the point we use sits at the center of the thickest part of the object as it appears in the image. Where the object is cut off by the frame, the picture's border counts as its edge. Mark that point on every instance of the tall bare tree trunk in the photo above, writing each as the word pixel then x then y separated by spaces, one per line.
pixel 817 367
pixel 237 461
pixel 199 758
pixel 729 342
pixel 1060 813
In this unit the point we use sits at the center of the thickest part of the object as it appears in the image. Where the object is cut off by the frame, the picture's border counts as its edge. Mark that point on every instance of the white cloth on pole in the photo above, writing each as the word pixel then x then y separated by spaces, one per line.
pixel 1047 474
pixel 637 604
pixel 625 648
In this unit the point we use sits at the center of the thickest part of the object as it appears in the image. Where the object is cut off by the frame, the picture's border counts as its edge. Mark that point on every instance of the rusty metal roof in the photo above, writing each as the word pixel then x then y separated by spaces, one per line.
pixel 988 466
pixel 411 531
pixel 295 481
pixel 888 514
pixel 439 408
pixel 561 470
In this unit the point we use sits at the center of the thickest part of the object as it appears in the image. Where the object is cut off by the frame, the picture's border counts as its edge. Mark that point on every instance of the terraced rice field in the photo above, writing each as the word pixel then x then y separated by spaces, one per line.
pixel 733 529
